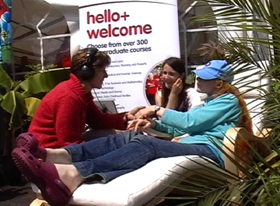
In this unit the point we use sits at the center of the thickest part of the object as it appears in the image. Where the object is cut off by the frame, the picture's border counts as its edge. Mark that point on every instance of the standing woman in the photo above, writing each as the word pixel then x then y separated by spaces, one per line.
pixel 175 93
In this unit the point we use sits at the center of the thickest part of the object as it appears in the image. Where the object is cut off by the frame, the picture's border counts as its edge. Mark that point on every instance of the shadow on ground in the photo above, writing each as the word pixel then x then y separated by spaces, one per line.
pixel 16 195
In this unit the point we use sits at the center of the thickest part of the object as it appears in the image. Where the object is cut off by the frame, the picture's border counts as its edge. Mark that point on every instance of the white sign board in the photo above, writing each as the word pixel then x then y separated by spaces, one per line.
pixel 137 35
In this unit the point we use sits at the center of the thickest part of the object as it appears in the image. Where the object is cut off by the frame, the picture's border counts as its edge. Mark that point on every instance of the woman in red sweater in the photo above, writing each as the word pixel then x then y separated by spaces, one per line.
pixel 61 116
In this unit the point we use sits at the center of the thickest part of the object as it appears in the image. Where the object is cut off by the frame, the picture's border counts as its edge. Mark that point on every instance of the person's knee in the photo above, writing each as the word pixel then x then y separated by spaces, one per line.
pixel 94 134
pixel 143 139
pixel 130 135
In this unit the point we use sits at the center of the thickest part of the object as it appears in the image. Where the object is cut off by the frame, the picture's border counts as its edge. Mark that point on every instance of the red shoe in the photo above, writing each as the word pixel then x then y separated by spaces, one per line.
pixel 44 175
pixel 31 143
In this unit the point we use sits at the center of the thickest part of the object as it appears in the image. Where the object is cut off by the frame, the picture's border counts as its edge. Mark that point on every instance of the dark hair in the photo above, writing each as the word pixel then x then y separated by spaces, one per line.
pixel 179 66
pixel 176 63
pixel 102 59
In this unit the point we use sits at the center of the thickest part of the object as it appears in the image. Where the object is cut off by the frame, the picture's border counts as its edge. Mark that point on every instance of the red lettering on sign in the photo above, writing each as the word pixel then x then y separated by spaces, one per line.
pixel 106 17
pixel 119 31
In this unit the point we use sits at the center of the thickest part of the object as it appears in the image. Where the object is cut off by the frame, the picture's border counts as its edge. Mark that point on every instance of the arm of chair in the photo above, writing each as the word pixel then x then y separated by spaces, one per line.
pixel 229 149
pixel 259 141
pixel 39 202
pixel 232 140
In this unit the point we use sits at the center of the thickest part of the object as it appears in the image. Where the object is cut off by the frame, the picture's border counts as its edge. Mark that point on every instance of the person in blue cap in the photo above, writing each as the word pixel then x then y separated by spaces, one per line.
pixel 215 69
pixel 64 169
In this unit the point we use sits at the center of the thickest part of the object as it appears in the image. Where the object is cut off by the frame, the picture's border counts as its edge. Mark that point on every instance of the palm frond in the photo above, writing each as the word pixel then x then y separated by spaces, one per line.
pixel 249 38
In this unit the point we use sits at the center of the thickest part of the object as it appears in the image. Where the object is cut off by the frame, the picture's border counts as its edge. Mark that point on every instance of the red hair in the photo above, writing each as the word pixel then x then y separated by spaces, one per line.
pixel 245 119
pixel 241 146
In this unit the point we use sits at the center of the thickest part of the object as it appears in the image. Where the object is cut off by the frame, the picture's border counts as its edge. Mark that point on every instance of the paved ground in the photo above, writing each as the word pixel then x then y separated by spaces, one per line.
pixel 16 195
pixel 23 196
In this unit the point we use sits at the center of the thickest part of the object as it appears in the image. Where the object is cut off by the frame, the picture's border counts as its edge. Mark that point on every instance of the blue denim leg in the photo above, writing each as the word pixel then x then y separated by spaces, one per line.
pixel 135 154
pixel 100 146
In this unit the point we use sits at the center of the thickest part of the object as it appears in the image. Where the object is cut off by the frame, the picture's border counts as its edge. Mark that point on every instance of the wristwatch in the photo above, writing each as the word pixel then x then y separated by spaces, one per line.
pixel 157 108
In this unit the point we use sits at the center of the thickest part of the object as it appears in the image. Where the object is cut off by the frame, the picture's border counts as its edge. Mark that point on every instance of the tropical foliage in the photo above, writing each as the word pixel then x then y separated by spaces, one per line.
pixel 249 38
pixel 20 99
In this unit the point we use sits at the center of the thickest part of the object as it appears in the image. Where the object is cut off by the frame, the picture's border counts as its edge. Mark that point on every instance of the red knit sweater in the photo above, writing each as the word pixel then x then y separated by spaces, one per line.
pixel 61 116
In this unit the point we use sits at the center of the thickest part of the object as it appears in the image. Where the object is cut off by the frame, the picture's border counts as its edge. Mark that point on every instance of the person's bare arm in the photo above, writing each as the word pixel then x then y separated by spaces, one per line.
pixel 173 99
pixel 158 99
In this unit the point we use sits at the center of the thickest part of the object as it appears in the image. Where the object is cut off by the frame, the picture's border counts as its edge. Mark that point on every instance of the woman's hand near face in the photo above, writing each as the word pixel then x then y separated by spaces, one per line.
pixel 177 87
pixel 173 98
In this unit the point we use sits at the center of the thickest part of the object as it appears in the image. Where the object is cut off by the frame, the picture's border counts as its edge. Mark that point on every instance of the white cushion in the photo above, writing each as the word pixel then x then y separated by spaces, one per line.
pixel 137 187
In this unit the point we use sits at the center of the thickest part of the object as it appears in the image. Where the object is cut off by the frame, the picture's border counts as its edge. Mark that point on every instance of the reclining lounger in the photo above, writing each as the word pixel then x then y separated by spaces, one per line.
pixel 146 185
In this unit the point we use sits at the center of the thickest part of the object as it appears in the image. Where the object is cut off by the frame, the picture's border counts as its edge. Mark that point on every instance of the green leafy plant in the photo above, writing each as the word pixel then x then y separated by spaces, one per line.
pixel 20 99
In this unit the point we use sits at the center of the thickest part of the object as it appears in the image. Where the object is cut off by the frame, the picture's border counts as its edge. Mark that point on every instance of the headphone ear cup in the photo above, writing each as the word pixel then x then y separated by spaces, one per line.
pixel 86 72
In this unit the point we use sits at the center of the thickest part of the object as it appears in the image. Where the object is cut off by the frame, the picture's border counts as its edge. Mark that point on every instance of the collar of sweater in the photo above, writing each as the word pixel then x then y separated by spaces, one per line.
pixel 75 85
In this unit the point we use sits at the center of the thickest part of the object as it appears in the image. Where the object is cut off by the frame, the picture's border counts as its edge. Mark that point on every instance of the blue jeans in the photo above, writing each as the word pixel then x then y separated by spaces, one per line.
pixel 106 158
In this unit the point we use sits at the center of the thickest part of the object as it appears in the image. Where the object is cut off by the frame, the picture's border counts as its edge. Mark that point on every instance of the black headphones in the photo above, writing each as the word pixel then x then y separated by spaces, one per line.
pixel 86 72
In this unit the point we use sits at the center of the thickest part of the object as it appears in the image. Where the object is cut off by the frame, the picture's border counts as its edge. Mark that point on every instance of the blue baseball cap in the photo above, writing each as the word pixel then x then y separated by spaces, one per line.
pixel 215 69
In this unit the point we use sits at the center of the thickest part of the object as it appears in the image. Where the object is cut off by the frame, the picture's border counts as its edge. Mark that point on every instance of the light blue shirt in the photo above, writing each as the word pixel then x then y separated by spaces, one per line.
pixel 205 124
